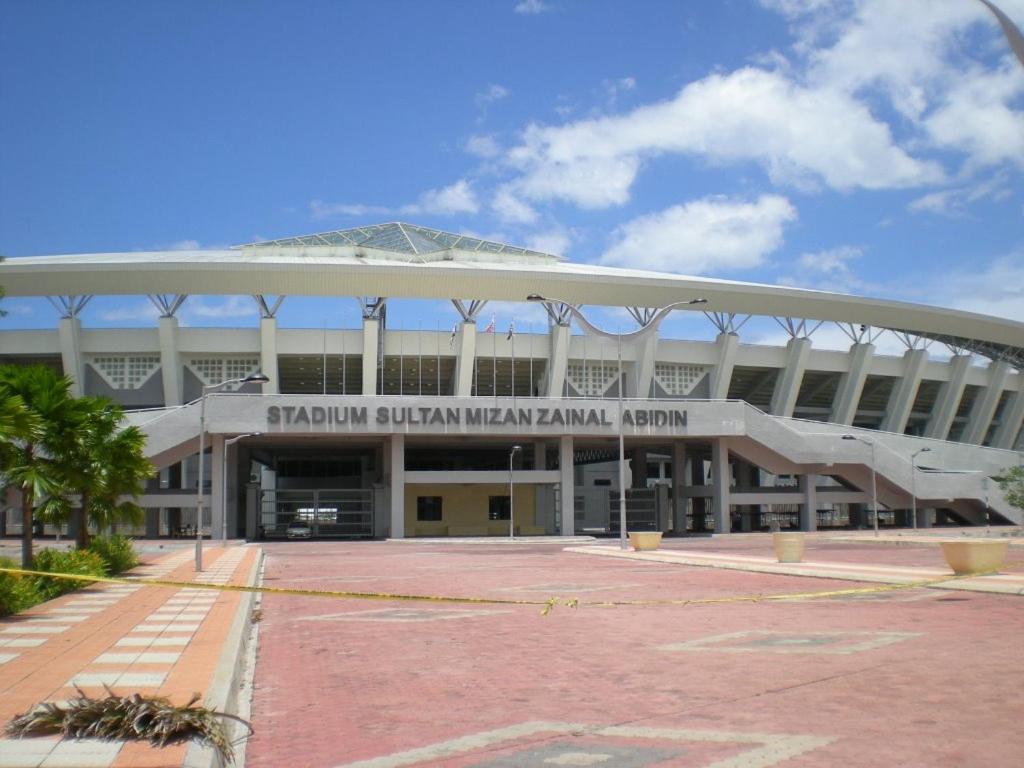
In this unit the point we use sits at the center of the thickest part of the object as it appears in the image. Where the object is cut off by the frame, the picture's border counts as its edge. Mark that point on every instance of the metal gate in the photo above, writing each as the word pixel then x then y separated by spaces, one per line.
pixel 643 510
pixel 324 513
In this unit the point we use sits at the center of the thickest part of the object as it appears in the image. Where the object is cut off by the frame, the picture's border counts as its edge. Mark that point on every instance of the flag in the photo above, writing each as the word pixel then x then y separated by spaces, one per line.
pixel 511 331
pixel 455 330
pixel 490 326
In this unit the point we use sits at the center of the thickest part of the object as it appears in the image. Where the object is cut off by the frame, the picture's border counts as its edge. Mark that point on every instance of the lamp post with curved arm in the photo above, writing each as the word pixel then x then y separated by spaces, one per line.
pixel 252 378
pixel 637 335
pixel 874 487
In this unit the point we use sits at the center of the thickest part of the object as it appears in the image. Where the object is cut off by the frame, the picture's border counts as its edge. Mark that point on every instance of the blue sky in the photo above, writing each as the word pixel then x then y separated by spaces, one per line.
pixel 865 146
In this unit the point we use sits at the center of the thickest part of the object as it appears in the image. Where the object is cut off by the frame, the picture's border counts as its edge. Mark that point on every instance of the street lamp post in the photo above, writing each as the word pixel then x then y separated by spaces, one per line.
pixel 224 482
pixel 511 493
pixel 874 487
pixel 638 335
pixel 913 483
pixel 253 378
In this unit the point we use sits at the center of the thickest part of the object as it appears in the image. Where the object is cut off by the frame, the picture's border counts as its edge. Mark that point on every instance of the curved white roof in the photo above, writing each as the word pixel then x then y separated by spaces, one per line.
pixel 290 268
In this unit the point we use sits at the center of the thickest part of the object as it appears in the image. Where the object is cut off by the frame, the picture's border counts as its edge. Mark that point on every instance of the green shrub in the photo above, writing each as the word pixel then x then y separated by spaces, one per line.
pixel 17 593
pixel 70 561
pixel 117 552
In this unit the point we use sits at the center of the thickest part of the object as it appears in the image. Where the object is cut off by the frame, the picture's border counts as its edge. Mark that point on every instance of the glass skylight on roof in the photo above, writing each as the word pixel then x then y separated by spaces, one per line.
pixel 401 238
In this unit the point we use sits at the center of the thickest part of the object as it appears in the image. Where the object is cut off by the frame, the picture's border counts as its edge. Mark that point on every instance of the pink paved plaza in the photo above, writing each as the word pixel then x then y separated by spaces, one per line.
pixel 915 677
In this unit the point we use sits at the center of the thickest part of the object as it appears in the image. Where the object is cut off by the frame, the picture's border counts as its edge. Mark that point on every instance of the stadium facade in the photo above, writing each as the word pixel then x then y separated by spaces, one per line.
pixel 375 432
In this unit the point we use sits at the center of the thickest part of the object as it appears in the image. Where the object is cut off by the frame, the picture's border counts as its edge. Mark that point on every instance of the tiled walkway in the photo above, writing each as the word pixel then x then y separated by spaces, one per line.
pixel 166 641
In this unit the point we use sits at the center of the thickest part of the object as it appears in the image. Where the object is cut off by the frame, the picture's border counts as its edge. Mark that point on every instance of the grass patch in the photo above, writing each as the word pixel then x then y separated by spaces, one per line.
pixel 106 556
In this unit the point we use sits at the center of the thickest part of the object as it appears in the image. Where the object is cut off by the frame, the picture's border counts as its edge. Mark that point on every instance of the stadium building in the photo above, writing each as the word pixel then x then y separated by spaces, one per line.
pixel 374 432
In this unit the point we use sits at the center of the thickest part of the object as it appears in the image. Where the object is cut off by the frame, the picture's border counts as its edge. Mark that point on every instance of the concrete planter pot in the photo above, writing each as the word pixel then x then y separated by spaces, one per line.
pixel 789 547
pixel 645 540
pixel 974 555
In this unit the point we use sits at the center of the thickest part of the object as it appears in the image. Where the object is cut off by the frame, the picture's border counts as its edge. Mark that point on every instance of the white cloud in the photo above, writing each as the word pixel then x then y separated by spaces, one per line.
pixel 709 235
pixel 511 209
pixel 318 209
pixel 831 336
pixel 832 260
pixel 975 117
pixel 17 308
pixel 800 135
pixel 488 96
pixel 996 288
pixel 230 306
pixel 924 59
pixel 530 7
pixel 143 310
pixel 612 89
pixel 455 198
pixel 445 201
pixel 954 202
pixel 555 241
pixel 829 270
pixel 482 146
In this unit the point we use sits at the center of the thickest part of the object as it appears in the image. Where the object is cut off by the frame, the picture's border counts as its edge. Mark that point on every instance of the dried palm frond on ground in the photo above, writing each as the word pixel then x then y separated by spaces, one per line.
pixel 136 717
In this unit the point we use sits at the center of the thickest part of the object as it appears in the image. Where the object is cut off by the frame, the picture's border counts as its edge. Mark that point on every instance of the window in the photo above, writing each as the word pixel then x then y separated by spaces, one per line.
pixel 428 509
pixel 602 481
pixel 499 508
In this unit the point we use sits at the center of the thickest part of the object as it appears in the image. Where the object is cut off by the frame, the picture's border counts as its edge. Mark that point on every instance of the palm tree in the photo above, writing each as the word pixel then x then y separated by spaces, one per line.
pixel 106 465
pixel 17 424
pixel 35 459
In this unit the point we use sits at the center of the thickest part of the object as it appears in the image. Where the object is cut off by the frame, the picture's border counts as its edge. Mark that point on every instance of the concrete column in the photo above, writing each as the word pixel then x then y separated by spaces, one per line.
pixel 745 478
pixel 984 406
pixel 465 361
pixel 567 489
pixel 948 401
pixel 217 500
pixel 371 338
pixel 720 480
pixel 170 362
pixel 253 513
pixel 268 355
pixel 558 360
pixel 678 484
pixel 851 384
pixel 728 345
pixel 647 352
pixel 901 399
pixel 700 505
pixel 69 330
pixel 540 455
pixel 809 507
pixel 397 462
pixel 638 468
pixel 152 524
pixel 174 473
pixel 787 385
pixel 924 518
pixel 1012 417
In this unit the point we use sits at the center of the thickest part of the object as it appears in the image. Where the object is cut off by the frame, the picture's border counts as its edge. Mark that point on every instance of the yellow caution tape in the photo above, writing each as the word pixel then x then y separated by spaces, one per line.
pixel 547 605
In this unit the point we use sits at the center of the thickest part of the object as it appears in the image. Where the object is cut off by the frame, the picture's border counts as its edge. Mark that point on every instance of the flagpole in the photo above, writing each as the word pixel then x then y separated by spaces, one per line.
pixel 530 328
pixel 512 339
pixel 419 354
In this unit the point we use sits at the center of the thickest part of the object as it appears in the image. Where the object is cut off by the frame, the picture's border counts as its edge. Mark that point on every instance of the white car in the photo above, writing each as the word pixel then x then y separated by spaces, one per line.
pixel 298 529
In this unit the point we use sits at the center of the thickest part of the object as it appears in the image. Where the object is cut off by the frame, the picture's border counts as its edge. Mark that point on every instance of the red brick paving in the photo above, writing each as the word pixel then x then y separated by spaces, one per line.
pixel 339 691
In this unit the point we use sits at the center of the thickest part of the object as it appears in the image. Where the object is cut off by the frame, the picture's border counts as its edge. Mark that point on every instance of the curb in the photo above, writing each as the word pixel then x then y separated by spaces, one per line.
pixel 224 693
